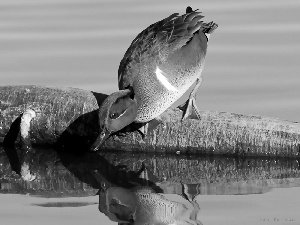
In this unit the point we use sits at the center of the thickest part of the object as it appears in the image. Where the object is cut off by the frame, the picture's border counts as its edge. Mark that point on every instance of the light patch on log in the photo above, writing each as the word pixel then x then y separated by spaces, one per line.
pixel 27 116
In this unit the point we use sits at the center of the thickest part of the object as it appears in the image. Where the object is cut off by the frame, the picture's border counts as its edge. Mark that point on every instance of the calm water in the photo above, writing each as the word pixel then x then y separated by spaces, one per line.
pixel 177 178
pixel 252 64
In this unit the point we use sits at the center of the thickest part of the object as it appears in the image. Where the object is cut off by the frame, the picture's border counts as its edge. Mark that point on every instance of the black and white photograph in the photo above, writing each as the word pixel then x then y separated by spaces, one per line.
pixel 149 112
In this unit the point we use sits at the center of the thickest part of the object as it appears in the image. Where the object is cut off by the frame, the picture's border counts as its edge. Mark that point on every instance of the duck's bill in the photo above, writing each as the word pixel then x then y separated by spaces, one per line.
pixel 100 140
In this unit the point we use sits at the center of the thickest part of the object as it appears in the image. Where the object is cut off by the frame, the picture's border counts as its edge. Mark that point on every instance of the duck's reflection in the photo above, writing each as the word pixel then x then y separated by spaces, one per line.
pixel 141 205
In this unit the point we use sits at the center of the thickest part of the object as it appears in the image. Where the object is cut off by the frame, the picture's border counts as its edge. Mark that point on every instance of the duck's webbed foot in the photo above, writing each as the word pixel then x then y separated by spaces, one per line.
pixel 189 108
pixel 185 192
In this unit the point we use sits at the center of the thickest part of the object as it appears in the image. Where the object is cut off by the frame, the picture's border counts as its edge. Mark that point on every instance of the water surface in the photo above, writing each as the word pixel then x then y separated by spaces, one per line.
pixel 179 178
pixel 252 64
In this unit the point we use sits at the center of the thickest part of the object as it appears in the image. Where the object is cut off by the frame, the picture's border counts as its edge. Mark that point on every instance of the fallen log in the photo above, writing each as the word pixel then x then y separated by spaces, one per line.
pixel 58 112
pixel 67 118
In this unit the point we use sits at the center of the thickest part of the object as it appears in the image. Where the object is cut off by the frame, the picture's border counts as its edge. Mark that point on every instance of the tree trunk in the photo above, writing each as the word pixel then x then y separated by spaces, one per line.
pixel 67 118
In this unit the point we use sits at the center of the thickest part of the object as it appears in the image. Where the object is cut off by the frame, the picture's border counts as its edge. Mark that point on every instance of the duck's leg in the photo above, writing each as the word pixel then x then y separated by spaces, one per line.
pixel 189 108
pixel 142 128
pixel 191 199
pixel 150 126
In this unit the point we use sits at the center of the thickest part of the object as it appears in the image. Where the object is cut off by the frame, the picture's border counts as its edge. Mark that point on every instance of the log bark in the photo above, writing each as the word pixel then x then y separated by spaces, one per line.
pixel 60 112
pixel 67 117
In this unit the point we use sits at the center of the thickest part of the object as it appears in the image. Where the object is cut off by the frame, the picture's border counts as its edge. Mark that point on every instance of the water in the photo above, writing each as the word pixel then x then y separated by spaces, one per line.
pixel 177 178
pixel 66 174
pixel 253 57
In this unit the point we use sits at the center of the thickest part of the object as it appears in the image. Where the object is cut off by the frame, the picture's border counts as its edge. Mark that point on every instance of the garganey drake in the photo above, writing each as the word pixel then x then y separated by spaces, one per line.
pixel 160 65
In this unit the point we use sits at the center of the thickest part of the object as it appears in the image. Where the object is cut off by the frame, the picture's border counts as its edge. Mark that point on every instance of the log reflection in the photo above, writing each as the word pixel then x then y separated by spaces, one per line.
pixel 74 174
pixel 128 183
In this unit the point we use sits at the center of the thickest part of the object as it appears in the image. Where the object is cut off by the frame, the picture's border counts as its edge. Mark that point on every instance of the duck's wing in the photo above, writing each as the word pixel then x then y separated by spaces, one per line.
pixel 156 42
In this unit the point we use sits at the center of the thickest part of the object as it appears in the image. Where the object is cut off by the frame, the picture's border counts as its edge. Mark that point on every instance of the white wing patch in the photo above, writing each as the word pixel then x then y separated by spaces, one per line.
pixel 160 76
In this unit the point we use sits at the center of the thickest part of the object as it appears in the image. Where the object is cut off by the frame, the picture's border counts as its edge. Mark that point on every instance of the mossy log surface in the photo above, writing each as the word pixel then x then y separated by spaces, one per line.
pixel 68 117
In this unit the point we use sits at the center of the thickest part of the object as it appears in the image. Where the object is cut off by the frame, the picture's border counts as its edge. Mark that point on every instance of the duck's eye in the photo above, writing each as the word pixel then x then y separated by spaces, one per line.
pixel 114 115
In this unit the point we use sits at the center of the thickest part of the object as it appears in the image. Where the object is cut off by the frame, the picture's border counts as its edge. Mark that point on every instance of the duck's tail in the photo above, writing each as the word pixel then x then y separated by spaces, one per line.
pixel 206 28
pixel 209 28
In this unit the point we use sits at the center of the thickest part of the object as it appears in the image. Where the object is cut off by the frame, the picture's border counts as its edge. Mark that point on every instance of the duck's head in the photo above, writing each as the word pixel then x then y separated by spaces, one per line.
pixel 117 111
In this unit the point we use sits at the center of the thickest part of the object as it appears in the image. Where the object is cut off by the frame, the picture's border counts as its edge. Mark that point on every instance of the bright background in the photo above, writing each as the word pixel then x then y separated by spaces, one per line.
pixel 251 67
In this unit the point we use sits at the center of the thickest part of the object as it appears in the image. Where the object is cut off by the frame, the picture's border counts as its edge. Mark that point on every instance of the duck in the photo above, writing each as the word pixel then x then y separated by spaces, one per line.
pixel 160 65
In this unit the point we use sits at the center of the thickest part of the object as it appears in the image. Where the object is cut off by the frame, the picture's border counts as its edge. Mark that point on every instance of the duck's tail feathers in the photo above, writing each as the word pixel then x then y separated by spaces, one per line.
pixel 209 28
pixel 193 18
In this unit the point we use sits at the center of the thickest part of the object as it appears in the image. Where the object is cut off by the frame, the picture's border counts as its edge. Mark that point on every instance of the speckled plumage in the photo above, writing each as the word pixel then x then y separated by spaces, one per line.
pixel 142 206
pixel 154 208
pixel 174 47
